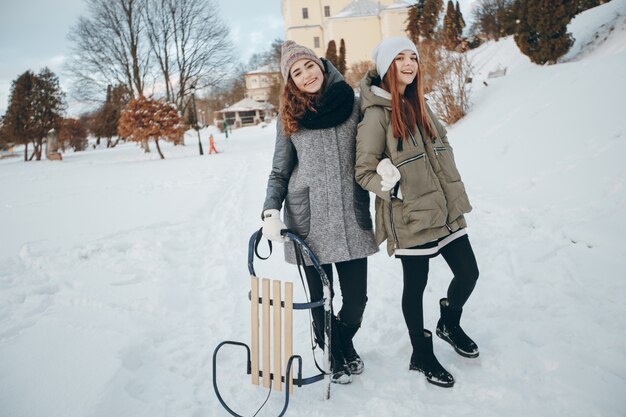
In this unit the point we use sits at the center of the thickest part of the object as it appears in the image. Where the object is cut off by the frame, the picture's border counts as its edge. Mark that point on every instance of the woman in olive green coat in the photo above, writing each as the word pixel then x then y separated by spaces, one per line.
pixel 404 157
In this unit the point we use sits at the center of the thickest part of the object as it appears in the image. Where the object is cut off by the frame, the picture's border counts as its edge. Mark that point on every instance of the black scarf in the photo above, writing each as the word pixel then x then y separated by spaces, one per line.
pixel 333 107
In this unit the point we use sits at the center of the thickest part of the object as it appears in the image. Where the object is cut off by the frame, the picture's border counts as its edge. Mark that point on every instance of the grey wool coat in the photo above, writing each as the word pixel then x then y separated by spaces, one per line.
pixel 313 174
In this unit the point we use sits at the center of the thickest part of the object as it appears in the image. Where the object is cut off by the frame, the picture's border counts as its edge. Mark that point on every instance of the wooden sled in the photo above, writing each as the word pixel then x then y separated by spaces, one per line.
pixel 272 344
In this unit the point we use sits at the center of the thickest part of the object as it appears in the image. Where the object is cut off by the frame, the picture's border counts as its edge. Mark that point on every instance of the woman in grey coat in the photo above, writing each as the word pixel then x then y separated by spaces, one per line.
pixel 313 174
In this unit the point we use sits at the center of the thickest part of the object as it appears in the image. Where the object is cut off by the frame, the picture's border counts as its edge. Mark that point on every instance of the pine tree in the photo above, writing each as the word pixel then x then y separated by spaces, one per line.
pixel 413 19
pixel 341 59
pixel 49 105
pixel 146 119
pixel 450 30
pixel 19 120
pixel 331 53
pixel 542 30
pixel 460 22
pixel 430 18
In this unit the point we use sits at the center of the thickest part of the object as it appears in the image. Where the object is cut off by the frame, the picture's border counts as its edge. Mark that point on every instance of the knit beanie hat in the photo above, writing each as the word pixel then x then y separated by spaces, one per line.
pixel 292 52
pixel 386 51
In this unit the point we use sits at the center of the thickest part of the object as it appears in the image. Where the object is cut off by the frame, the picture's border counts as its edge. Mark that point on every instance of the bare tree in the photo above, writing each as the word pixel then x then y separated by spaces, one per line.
pixel 190 44
pixel 356 72
pixel 451 88
pixel 109 48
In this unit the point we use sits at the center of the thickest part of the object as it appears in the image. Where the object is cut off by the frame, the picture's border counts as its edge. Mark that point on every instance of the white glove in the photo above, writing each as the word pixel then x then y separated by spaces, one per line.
pixel 272 225
pixel 389 173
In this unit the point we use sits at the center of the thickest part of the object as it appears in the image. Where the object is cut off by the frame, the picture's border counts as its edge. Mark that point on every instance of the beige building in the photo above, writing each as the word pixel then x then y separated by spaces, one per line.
pixel 259 82
pixel 360 23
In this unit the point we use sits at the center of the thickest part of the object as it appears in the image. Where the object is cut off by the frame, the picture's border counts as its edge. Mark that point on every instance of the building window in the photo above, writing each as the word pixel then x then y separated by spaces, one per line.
pixel 305 13
pixel 316 42
pixel 326 11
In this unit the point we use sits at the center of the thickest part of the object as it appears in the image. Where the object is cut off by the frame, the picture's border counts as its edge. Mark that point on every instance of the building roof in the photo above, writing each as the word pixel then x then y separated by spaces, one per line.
pixel 247 104
pixel 266 69
pixel 362 8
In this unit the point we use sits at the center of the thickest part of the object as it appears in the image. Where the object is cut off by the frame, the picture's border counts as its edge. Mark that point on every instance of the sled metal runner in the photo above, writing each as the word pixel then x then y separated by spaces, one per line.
pixel 265 360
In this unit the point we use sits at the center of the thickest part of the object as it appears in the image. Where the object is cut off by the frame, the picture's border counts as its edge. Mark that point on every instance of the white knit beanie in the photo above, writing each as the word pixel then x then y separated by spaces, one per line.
pixel 386 51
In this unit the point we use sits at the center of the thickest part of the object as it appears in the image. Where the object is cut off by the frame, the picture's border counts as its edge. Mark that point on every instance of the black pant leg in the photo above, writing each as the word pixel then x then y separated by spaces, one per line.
pixel 353 283
pixel 316 293
pixel 415 275
pixel 460 258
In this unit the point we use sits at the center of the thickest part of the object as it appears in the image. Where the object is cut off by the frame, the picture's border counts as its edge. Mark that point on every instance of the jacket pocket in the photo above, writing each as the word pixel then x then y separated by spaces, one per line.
pixel 447 163
pixel 426 212
pixel 362 207
pixel 298 212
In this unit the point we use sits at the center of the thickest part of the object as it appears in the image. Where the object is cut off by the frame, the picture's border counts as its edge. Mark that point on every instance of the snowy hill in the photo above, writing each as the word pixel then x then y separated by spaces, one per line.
pixel 120 273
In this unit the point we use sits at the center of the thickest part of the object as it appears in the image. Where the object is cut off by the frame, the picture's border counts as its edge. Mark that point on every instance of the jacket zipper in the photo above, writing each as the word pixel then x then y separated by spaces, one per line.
pixel 393 226
pixel 412 138
pixel 411 159
pixel 439 148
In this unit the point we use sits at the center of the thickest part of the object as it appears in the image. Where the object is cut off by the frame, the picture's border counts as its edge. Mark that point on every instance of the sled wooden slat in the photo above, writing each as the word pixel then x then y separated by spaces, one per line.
pixel 254 303
pixel 288 323
pixel 277 384
pixel 266 332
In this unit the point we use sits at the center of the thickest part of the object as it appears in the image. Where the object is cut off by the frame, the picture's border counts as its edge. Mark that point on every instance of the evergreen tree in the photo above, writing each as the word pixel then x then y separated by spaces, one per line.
pixel 341 59
pixel 35 107
pixel 459 18
pixel 430 18
pixel 18 121
pixel 413 19
pixel 331 53
pixel 450 31
pixel 542 30
pixel 49 105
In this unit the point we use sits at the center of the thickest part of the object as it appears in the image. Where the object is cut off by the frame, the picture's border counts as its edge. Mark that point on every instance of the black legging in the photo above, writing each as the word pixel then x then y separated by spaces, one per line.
pixel 353 284
pixel 460 258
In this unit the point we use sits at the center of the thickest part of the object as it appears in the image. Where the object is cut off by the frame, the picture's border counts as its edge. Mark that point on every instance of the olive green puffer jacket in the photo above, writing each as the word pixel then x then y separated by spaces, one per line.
pixel 434 197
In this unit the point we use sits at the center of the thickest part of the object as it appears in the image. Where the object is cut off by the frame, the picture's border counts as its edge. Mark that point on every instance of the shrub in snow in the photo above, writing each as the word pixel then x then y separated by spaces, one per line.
pixel 146 118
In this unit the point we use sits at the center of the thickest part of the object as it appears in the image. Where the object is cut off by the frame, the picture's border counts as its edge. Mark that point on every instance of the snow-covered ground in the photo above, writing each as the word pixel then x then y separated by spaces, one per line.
pixel 120 273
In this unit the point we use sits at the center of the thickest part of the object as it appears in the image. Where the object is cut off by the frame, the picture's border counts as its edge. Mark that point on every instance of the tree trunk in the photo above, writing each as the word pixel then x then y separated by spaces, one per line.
pixel 159 148
pixel 39 148
pixel 26 152
pixel 145 146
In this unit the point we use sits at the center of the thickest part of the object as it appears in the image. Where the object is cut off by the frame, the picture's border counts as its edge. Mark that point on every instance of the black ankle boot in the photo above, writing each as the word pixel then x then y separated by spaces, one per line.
pixel 423 360
pixel 449 329
pixel 346 334
pixel 340 372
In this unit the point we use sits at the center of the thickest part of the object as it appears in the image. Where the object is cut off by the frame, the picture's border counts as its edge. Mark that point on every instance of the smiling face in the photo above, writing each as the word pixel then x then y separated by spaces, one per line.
pixel 307 76
pixel 406 66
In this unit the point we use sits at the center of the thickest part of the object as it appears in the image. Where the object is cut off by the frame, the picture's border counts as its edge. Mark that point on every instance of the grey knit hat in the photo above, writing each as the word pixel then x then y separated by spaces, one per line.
pixel 292 52
pixel 386 51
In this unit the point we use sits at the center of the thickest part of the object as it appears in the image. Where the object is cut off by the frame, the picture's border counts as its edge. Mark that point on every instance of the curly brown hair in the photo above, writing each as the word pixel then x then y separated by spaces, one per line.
pixel 294 104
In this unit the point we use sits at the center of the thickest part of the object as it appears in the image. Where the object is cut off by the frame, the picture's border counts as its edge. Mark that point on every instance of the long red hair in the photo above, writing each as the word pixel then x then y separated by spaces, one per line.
pixel 408 108
pixel 294 104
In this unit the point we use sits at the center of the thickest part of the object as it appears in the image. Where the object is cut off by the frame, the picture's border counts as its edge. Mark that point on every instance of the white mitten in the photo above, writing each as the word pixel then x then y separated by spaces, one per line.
pixel 272 225
pixel 389 174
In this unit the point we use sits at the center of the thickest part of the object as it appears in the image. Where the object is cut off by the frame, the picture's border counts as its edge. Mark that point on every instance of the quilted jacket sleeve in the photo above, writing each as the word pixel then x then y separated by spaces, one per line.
pixel 370 148
pixel 285 159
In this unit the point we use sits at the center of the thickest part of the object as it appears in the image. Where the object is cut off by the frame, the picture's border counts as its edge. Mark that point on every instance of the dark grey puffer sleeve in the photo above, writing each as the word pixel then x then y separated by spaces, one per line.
pixel 285 159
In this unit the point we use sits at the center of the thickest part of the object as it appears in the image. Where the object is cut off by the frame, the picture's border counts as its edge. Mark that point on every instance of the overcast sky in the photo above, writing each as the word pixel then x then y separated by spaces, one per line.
pixel 33 35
